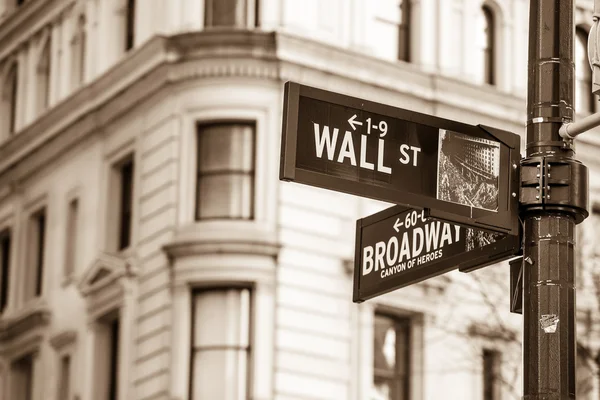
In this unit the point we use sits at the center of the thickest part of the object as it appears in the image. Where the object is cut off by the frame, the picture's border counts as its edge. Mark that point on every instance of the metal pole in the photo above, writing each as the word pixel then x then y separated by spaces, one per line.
pixel 551 213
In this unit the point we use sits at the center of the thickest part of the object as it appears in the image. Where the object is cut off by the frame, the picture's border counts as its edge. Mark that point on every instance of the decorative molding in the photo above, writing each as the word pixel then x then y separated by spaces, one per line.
pixel 29 319
pixel 63 339
pixel 189 248
pixel 107 270
pixel 34 15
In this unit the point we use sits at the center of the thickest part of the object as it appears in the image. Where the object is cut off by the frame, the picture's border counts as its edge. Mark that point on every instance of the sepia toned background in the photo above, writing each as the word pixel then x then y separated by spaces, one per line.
pixel 148 250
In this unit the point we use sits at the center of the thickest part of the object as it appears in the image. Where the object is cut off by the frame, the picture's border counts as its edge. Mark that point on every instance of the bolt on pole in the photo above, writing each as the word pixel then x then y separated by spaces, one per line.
pixel 553 199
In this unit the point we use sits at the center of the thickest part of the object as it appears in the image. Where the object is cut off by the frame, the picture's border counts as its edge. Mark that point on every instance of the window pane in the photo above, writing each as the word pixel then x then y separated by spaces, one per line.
pixel 43 79
pixel 225 148
pixel 391 357
pixel 225 196
pixel 382 390
pixel 71 237
pixel 584 100
pixel 219 374
pixel 126 172
pixel 491 374
pixel 385 344
pixel 130 24
pixel 65 373
pixel 221 336
pixel 225 13
pixel 5 268
pixel 221 318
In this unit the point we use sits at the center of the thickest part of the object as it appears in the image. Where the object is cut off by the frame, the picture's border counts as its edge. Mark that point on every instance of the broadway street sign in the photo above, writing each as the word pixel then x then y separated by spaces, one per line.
pixel 400 246
pixel 459 172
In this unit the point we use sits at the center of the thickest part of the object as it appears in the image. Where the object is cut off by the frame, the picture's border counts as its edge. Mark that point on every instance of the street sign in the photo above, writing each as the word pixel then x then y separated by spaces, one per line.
pixel 462 173
pixel 400 246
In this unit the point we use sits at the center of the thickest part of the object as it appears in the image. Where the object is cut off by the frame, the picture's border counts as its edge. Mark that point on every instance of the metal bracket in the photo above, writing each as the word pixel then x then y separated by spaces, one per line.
pixel 554 183
pixel 516 285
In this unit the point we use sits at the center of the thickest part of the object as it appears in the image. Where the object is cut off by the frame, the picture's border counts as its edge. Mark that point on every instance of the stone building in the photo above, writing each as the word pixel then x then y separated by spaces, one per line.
pixel 148 249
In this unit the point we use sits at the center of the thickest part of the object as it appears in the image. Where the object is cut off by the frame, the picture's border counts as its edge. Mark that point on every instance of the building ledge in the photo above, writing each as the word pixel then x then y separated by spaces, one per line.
pixel 27 320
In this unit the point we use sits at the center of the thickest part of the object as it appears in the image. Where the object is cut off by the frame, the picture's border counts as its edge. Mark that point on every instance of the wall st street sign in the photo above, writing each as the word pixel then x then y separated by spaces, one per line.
pixel 461 173
pixel 400 246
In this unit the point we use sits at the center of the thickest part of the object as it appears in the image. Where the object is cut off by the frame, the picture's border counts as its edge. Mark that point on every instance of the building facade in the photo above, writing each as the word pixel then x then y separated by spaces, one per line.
pixel 148 249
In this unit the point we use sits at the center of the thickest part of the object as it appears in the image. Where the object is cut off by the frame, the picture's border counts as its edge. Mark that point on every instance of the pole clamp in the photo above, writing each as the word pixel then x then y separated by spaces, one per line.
pixel 554 183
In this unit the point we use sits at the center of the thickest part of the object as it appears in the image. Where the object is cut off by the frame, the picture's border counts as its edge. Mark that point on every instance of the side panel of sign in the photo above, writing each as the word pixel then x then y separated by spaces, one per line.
pixel 400 246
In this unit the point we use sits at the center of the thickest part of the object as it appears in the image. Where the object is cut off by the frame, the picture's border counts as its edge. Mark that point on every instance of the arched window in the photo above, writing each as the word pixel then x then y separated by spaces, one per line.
pixel 78 50
pixel 584 99
pixel 43 79
pixel 8 114
pixel 488 45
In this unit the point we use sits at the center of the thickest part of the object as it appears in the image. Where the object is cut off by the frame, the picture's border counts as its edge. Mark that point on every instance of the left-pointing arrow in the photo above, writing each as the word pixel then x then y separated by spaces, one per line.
pixel 353 122
pixel 397 224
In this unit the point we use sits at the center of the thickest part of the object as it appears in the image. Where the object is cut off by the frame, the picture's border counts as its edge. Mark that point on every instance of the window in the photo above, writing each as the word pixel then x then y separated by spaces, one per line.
pixel 491 375
pixel 71 238
pixel 43 79
pixel 584 99
pixel 35 254
pixel 64 383
pixel 9 102
pixel 220 344
pixel 391 358
pixel 22 378
pixel 225 171
pixel 231 13
pixel 4 268
pixel 129 25
pixel 107 357
pixel 404 31
pixel 391 30
pixel 78 50
pixel 124 174
pixel 488 45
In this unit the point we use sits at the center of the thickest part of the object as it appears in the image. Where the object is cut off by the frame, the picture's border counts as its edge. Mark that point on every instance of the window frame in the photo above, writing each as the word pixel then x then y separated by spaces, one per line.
pixel 33 263
pixel 251 173
pixel 405 30
pixel 399 322
pixel 129 18
pixel 9 97
pixel 78 51
pixel 496 382
pixel 5 276
pixel 71 245
pixel 194 290
pixel 585 79
pixel 32 358
pixel 490 52
pixel 109 381
pixel 114 190
pixel 43 75
pixel 65 345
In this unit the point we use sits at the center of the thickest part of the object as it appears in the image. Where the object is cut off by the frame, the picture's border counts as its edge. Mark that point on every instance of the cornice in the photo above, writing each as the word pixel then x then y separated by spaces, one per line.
pixel 163 61
pixel 63 339
pixel 27 320
pixel 20 25
pixel 190 248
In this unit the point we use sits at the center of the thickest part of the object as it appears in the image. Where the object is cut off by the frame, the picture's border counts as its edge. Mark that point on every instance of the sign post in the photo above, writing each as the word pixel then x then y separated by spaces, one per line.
pixel 553 197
